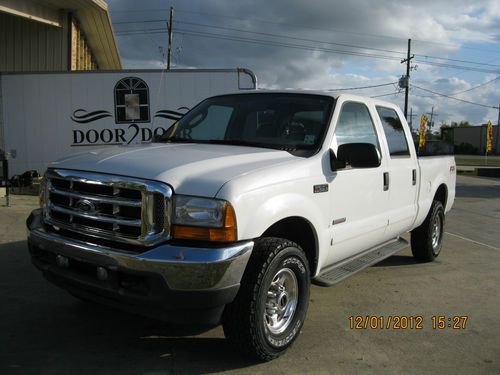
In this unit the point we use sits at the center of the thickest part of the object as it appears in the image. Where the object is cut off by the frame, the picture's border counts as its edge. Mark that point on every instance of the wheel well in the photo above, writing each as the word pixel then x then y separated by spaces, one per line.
pixel 441 195
pixel 300 231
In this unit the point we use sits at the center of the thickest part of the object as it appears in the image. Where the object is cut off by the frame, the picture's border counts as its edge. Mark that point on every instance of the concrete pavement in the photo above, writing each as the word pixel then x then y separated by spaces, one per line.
pixel 43 330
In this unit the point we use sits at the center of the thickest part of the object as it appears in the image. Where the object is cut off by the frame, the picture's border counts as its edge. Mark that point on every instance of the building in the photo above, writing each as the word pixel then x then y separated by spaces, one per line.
pixel 471 140
pixel 56 35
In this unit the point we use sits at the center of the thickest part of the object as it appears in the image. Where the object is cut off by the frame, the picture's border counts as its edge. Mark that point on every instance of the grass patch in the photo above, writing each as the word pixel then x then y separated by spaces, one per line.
pixel 481 161
pixel 467 173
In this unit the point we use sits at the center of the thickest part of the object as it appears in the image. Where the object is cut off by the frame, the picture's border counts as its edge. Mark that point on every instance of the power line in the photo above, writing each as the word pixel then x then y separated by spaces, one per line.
pixel 363 87
pixel 161 31
pixel 140 10
pixel 295 26
pixel 299 46
pixel 423 96
pixel 454 74
pixel 140 31
pixel 290 37
pixel 459 67
pixel 461 92
pixel 316 41
pixel 475 87
pixel 267 34
pixel 457 60
pixel 388 94
pixel 457 46
pixel 452 97
pixel 143 21
pixel 287 45
pixel 262 42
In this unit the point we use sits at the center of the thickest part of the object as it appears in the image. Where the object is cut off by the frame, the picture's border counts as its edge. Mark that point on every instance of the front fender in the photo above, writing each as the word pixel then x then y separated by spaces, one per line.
pixel 259 209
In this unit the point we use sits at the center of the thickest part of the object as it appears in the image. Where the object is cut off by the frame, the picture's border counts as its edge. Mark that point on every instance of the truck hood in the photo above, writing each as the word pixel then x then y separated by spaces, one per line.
pixel 195 169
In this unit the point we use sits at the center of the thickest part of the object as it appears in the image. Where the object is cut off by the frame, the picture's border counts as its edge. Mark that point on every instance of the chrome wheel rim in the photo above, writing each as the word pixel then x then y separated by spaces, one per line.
pixel 281 301
pixel 436 233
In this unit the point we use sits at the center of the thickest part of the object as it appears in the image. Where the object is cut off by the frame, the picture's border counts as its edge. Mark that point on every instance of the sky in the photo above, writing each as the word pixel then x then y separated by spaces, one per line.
pixel 331 45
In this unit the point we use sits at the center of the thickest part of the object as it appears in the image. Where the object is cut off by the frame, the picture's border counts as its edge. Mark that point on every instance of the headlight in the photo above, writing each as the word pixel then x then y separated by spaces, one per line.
pixel 198 212
pixel 203 219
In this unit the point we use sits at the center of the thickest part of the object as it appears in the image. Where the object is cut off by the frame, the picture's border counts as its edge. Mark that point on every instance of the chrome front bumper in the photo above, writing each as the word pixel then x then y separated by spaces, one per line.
pixel 174 283
pixel 182 268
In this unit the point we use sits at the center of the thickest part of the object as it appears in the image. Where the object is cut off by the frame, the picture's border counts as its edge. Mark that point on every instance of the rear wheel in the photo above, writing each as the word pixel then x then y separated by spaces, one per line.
pixel 427 239
pixel 270 308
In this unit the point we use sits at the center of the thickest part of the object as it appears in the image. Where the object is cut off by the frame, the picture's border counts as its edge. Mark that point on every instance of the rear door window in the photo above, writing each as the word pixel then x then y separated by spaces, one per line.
pixel 394 132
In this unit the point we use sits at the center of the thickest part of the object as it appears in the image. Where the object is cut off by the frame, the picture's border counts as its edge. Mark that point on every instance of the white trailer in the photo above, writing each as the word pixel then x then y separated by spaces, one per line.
pixel 44 116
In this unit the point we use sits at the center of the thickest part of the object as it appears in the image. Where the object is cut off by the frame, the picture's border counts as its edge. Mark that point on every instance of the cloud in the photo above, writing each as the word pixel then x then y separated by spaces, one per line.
pixel 437 28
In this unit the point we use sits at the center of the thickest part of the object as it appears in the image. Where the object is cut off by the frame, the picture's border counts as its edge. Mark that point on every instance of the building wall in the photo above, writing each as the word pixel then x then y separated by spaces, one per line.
pixel 475 136
pixel 29 46
pixel 32 46
pixel 82 57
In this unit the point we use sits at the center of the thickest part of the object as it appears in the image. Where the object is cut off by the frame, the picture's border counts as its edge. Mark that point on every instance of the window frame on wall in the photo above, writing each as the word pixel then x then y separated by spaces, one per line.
pixel 131 85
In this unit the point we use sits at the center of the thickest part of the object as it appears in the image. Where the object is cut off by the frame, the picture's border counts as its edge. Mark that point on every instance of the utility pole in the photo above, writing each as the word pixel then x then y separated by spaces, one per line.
pixel 410 121
pixel 431 124
pixel 498 129
pixel 407 78
pixel 170 29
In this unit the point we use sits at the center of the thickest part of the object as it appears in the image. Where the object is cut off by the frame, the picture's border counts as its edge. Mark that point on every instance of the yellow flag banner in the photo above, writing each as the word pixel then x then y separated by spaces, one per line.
pixel 489 138
pixel 423 131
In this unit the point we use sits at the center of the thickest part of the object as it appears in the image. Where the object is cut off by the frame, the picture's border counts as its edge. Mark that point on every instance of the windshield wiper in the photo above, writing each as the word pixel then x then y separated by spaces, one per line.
pixel 179 140
pixel 240 142
pixel 282 147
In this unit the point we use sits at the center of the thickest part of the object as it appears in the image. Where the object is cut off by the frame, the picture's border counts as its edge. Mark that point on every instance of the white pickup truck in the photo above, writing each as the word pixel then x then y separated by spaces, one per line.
pixel 239 206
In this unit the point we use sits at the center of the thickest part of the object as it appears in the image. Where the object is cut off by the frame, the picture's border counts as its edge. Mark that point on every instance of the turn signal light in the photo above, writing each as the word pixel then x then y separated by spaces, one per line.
pixel 228 232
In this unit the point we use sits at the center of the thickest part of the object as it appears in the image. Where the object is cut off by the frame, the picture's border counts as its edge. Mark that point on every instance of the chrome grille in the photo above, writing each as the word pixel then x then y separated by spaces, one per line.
pixel 106 206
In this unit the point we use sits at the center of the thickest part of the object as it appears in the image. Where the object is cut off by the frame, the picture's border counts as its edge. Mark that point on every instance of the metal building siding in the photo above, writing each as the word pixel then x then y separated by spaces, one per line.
pixel 31 46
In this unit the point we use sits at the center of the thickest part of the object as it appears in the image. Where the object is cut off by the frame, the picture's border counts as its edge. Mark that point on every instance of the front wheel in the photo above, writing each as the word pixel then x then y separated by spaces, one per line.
pixel 270 308
pixel 427 239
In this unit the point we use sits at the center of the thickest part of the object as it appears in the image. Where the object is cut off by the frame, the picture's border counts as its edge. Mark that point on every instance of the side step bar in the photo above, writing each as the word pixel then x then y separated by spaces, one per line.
pixel 349 267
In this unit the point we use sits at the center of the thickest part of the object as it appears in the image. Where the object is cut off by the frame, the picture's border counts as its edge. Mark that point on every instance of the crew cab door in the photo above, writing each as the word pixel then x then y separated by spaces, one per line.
pixel 402 171
pixel 358 205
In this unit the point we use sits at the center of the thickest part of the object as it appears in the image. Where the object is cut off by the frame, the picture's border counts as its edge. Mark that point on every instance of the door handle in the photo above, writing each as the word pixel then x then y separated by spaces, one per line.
pixel 414 177
pixel 386 181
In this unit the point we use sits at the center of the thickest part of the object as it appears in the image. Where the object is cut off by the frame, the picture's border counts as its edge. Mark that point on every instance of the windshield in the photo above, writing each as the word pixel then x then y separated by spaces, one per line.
pixel 291 122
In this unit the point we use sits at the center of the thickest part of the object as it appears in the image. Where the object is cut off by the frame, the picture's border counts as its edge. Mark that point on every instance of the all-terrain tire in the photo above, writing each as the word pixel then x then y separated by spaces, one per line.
pixel 276 275
pixel 427 239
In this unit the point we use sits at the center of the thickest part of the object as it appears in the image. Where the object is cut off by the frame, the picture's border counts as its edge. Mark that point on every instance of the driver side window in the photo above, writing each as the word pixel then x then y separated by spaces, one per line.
pixel 355 125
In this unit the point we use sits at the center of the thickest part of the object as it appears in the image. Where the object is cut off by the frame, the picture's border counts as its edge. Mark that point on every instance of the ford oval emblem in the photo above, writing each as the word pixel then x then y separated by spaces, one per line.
pixel 87 206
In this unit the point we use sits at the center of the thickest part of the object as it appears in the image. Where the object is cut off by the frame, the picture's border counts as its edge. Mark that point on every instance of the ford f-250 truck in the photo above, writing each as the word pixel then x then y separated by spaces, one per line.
pixel 231 214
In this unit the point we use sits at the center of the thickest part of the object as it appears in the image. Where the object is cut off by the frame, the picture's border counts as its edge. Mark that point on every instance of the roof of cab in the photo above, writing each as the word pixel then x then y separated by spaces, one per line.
pixel 332 94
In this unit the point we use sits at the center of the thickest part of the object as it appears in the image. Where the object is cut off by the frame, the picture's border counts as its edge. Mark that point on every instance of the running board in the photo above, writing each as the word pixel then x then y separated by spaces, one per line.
pixel 343 270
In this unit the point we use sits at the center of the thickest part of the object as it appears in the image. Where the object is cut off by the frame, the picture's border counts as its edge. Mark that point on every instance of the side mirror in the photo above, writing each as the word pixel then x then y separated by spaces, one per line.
pixel 336 163
pixel 357 155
